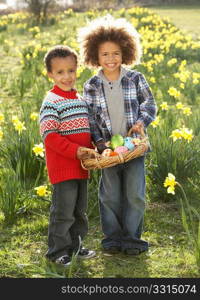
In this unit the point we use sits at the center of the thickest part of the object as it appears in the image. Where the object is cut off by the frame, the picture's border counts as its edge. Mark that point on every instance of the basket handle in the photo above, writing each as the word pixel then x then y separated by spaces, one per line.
pixel 132 131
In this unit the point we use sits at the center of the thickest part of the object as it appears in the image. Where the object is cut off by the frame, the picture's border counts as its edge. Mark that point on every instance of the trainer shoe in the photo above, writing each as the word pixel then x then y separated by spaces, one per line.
pixel 63 260
pixel 132 251
pixel 112 249
pixel 86 253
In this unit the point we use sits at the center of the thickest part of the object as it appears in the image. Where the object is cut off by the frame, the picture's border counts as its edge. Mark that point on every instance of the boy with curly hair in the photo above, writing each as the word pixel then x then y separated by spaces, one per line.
pixel 118 99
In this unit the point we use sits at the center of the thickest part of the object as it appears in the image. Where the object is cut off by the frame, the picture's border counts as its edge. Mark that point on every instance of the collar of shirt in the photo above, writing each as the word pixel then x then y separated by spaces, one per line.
pixel 115 83
pixel 72 94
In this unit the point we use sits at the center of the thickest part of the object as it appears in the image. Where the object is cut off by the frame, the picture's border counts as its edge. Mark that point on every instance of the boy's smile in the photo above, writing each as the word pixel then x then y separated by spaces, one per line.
pixel 110 59
pixel 63 72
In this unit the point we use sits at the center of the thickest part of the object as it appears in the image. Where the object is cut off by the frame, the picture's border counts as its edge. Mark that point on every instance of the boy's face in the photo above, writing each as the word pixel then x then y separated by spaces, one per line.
pixel 110 57
pixel 63 72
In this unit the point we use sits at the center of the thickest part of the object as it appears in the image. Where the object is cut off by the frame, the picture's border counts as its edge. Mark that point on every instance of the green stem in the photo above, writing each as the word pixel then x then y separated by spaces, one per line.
pixel 189 209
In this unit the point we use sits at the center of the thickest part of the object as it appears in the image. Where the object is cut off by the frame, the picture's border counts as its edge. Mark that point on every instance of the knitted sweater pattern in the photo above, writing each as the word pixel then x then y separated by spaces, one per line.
pixel 64 127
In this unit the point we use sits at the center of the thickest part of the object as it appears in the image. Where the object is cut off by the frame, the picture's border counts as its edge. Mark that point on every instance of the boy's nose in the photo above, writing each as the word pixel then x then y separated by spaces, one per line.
pixel 66 75
pixel 111 57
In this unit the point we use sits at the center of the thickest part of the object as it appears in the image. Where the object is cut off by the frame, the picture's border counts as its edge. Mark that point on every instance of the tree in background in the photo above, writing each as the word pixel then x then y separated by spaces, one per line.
pixel 39 8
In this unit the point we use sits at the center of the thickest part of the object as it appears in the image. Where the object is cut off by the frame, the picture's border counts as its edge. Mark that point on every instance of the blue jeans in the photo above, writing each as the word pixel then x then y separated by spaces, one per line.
pixel 122 205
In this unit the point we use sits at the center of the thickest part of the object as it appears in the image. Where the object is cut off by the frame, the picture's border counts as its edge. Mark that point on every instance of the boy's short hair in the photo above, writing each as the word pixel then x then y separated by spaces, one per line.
pixel 58 51
pixel 108 29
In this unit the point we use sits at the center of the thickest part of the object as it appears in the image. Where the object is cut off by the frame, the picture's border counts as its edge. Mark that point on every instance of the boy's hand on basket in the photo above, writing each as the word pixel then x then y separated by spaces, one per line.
pixel 101 146
pixel 85 153
pixel 138 128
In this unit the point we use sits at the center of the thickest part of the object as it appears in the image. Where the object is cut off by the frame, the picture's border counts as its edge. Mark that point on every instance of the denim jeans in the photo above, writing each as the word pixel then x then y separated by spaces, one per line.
pixel 122 205
pixel 68 221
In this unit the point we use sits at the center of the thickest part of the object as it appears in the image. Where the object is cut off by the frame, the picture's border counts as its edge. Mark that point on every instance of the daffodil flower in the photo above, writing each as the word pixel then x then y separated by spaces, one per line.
pixel 176 135
pixel 33 116
pixel 179 105
pixel 1 118
pixel 174 92
pixel 19 126
pixel 170 183
pixel 187 111
pixel 38 149
pixel 1 134
pixel 42 190
pixel 164 106
pixel 156 122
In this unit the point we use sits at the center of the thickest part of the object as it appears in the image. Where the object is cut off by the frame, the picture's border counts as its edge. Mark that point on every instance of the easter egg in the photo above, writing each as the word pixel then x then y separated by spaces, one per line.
pixel 116 141
pixel 128 143
pixel 113 153
pixel 121 149
pixel 136 141
pixel 106 152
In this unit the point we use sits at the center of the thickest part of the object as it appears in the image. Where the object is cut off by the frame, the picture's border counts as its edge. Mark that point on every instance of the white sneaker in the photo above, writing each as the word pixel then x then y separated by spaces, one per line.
pixel 86 253
pixel 63 260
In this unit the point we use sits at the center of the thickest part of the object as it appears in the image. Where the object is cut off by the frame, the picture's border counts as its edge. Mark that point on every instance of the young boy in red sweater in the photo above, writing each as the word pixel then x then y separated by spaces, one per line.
pixel 64 127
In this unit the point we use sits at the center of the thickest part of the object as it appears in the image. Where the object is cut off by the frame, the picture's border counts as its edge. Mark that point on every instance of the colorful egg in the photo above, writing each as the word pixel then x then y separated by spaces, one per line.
pixel 136 141
pixel 128 143
pixel 113 153
pixel 106 152
pixel 121 149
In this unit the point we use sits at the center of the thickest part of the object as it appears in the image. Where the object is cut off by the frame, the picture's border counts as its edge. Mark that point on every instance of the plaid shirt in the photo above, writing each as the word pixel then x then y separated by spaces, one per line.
pixel 139 104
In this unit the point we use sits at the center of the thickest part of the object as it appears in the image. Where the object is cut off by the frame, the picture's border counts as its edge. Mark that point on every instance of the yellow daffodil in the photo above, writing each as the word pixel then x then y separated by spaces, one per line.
pixel 187 134
pixel 172 62
pixel 34 116
pixel 174 92
pixel 42 190
pixel 1 118
pixel 152 79
pixel 184 133
pixel 1 134
pixel 156 122
pixel 187 111
pixel 19 126
pixel 15 119
pixel 179 105
pixel 38 149
pixel 164 106
pixel 176 135
pixel 170 183
pixel 196 77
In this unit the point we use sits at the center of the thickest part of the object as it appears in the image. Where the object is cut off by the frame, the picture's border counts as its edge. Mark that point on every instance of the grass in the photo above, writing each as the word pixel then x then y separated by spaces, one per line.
pixel 23 247
pixel 184 17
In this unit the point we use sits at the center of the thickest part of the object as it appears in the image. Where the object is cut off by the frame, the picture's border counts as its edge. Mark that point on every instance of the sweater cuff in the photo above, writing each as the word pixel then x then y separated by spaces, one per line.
pixel 61 145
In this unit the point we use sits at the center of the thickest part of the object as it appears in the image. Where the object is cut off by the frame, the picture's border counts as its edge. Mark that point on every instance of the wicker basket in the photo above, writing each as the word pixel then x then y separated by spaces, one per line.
pixel 101 162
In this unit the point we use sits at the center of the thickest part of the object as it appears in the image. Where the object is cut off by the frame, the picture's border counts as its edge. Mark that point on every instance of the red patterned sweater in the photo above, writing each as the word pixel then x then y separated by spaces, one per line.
pixel 64 127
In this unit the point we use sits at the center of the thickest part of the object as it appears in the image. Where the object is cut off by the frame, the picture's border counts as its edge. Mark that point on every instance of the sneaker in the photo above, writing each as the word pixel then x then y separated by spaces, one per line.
pixel 63 260
pixel 86 253
pixel 112 249
pixel 132 251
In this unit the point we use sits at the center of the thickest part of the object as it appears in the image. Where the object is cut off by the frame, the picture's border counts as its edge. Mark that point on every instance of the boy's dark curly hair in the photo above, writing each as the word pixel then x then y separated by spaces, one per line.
pixel 58 51
pixel 106 29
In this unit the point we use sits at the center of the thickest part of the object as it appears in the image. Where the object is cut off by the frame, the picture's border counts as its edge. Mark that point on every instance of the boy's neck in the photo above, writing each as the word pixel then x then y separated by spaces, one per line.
pixel 112 76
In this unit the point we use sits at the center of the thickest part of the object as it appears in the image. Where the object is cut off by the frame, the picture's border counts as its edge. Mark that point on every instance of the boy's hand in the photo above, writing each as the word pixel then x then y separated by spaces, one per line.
pixel 85 153
pixel 138 128
pixel 101 146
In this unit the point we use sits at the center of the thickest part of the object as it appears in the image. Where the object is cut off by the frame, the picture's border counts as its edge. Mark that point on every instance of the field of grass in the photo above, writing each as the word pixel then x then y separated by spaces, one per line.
pixel 184 17
pixel 24 245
